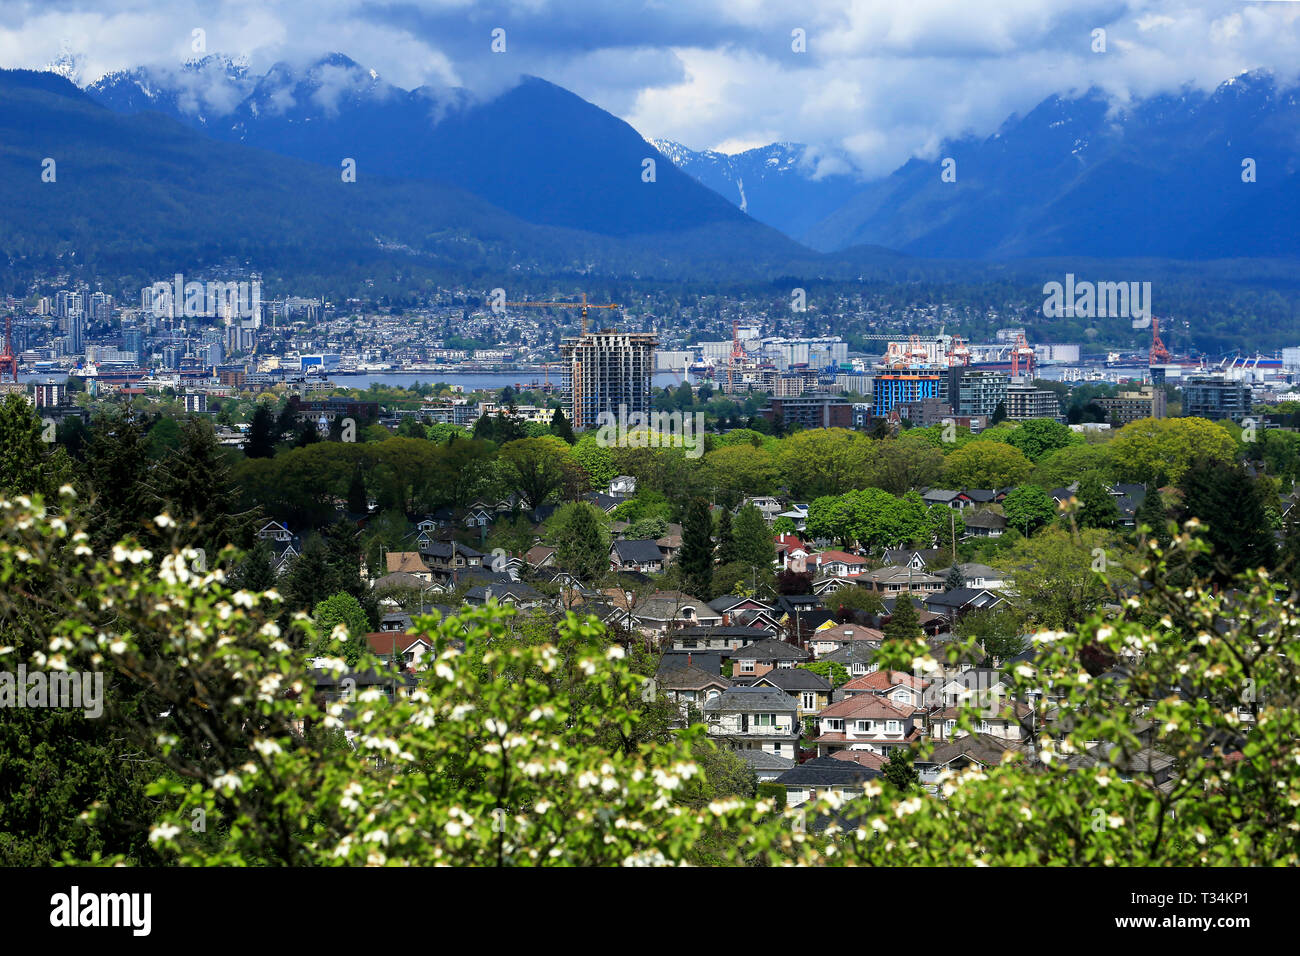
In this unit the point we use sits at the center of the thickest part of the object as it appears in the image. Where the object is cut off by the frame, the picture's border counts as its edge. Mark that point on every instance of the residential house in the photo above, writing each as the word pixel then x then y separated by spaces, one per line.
pixel 792 553
pixel 832 637
pixel 893 581
pixel 942 496
pixel 540 556
pixel 976 576
pixel 449 556
pixel 768 506
pixel 857 658
pixel 905 691
pixel 798 513
pixel 515 593
pixel 640 554
pixel 810 691
pixel 952 604
pixel 720 638
pixel 836 563
pixel 754 718
pixel 413 648
pixel 663 611
pixel 686 685
pixel 985 524
pixel 407 562
pixel 624 486
pixel 823 776
pixel 918 559
pixel 756 659
pixel 979 750
pixel 865 722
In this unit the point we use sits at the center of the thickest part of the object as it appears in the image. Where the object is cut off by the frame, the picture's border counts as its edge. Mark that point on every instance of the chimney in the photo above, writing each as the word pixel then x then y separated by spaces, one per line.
pixel 487 595
pixel 689 655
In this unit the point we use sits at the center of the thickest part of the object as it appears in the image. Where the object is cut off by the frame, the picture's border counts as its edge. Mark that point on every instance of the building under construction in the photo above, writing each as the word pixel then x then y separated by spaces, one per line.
pixel 603 370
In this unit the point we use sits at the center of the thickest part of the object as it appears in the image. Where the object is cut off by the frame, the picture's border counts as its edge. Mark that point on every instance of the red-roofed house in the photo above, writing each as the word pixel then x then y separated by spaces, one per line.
pixel 865 722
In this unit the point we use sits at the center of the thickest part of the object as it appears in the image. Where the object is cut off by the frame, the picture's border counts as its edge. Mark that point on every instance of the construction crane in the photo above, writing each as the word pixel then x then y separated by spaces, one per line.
pixel 1158 350
pixel 736 353
pixel 584 305
pixel 1021 350
pixel 9 361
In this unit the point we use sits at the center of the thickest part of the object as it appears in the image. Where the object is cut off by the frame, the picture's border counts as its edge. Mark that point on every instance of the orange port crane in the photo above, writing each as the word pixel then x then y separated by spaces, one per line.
pixel 584 305
pixel 1019 351
pixel 1158 350
pixel 9 361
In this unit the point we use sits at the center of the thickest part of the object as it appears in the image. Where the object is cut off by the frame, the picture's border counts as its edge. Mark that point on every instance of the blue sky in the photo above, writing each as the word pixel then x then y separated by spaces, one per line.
pixel 878 82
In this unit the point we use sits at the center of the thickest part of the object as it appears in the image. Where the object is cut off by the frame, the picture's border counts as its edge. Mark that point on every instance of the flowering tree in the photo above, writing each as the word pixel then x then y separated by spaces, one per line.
pixel 532 750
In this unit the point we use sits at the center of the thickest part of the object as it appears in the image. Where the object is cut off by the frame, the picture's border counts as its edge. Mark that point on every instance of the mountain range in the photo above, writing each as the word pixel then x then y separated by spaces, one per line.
pixel 162 166
pixel 1077 176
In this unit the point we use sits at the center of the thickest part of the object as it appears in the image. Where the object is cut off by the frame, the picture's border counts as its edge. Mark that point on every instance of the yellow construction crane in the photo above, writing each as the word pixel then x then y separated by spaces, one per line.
pixel 584 305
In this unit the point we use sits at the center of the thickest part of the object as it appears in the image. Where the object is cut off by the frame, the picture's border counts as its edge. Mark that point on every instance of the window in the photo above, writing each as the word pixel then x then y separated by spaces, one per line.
pixel 893 726
pixel 747 667
pixel 808 700
pixel 835 724
pixel 765 720
pixel 866 726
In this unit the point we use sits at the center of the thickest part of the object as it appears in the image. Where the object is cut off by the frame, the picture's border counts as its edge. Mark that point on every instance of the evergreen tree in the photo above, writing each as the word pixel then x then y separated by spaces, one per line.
pixel 27 465
pixel 1231 503
pixel 1097 508
pixel 263 433
pixel 754 546
pixel 695 559
pixel 581 547
pixel 256 572
pixel 726 539
pixel 357 497
pixel 954 579
pixel 899 769
pixel 118 468
pixel 194 486
pixel 904 624
pixel 561 428
pixel 1289 558
pixel 999 414
pixel 1154 515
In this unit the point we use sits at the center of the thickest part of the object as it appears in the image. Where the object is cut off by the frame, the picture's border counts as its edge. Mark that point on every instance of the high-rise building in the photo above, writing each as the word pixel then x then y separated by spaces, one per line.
pixel 100 307
pixel 1025 401
pixel 1216 399
pixel 603 371
pixel 1133 404
pixel 977 391
pixel 814 410
pixel 891 388
pixel 76 333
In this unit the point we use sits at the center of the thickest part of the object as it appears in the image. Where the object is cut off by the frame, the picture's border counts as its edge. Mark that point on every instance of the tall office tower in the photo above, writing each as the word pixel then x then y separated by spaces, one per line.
pixel 61 303
pixel 76 333
pixel 100 307
pixel 605 370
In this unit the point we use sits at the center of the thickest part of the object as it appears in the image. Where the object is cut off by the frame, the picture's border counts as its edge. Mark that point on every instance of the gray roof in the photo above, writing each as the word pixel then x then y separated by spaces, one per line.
pixel 762 760
pixel 638 551
pixel 825 772
pixel 986 519
pixel 752 700
pixel 442 549
pixel 794 679
pixel 771 649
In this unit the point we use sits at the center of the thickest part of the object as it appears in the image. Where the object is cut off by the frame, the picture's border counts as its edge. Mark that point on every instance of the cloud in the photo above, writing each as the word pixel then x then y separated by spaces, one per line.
pixel 877 83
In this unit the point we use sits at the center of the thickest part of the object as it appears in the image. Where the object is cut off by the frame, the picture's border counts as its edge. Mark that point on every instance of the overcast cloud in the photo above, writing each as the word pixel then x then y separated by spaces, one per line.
pixel 879 81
